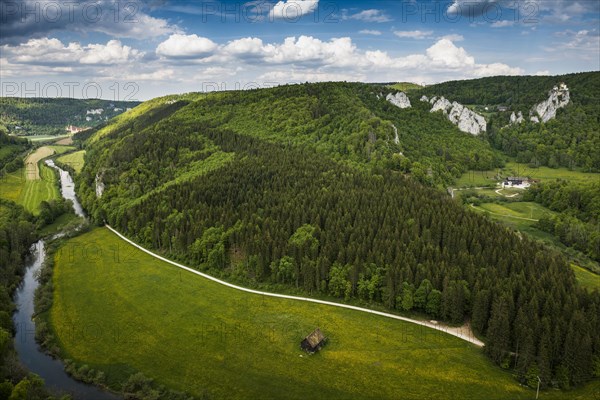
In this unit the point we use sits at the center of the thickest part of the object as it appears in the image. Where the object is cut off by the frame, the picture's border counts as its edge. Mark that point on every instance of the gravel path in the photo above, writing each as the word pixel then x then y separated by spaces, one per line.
pixel 463 332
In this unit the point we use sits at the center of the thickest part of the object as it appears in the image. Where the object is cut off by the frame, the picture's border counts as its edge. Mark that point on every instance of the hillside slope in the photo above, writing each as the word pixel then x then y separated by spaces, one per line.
pixel 295 188
pixel 571 140
pixel 38 116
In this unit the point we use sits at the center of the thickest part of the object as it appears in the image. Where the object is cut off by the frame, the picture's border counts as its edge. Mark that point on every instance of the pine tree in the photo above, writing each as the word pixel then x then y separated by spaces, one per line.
pixel 498 334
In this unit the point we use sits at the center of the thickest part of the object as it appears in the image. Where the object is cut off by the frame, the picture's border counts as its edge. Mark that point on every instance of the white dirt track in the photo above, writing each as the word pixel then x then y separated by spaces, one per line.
pixel 463 332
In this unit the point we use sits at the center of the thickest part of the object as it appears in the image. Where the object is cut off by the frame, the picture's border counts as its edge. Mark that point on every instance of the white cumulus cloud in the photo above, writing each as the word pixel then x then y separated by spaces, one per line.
pixel 47 51
pixel 453 37
pixel 186 46
pixel 371 15
pixel 293 9
pixel 502 24
pixel 413 34
pixel 370 32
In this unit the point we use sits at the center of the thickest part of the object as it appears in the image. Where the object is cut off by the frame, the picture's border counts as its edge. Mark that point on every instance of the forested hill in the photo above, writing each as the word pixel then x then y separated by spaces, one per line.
pixel 518 92
pixel 298 188
pixel 346 121
pixel 571 140
pixel 35 116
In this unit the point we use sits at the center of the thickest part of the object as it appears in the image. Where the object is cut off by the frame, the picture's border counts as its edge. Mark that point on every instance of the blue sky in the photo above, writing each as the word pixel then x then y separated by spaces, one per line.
pixel 142 49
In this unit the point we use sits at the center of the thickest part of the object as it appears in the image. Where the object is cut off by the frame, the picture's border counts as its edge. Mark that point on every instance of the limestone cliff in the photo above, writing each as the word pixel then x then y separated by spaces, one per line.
pixel 399 100
pixel 559 97
pixel 461 116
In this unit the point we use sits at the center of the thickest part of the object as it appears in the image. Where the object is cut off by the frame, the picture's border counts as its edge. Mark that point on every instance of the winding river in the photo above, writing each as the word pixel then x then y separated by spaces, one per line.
pixel 30 355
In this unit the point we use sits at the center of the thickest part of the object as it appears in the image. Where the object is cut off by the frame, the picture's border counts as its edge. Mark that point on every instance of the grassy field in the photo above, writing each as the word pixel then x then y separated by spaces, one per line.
pixel 32 162
pixel 8 149
pixel 32 184
pixel 60 223
pixel 44 138
pixel 120 310
pixel 59 149
pixel 75 160
pixel 406 86
pixel 483 178
pixel 522 209
pixel 65 142
pixel 586 278
pixel 522 216
pixel 29 193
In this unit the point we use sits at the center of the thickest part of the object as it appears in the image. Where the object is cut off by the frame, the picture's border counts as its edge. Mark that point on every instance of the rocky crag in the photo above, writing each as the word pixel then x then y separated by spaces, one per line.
pixel 467 121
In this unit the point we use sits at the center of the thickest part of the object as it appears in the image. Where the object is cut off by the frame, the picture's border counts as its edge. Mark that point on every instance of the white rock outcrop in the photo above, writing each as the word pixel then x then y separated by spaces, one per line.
pixel 559 97
pixel 516 118
pixel 441 104
pixel 99 186
pixel 399 100
pixel 467 121
pixel 425 99
pixel 396 138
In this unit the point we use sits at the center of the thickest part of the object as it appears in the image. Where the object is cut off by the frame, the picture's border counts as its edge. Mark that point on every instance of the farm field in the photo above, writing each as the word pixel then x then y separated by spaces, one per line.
pixel 44 138
pixel 65 142
pixel 32 162
pixel 75 160
pixel 195 335
pixel 60 149
pixel 29 193
pixel 483 178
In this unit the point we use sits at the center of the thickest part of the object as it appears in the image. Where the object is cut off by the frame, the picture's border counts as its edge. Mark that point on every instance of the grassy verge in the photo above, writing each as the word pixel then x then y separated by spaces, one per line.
pixel 118 310
pixel 66 219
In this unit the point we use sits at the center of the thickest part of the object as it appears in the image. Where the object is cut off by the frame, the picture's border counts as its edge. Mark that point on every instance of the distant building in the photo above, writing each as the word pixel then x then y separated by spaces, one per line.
pixel 502 108
pixel 519 182
pixel 313 342
pixel 75 129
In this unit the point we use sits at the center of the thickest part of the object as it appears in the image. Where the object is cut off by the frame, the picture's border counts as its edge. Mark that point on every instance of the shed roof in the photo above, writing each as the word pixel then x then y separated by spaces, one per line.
pixel 315 338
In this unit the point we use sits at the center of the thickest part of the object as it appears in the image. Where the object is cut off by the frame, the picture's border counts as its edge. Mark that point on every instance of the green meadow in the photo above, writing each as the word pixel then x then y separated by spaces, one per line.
pixel 406 86
pixel 44 138
pixel 522 209
pixel 485 178
pixel 75 160
pixel 29 193
pixel 586 278
pixel 522 217
pixel 59 149
pixel 119 310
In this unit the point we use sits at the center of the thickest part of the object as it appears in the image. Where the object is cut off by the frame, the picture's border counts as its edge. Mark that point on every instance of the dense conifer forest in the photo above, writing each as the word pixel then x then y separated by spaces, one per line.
pixel 305 187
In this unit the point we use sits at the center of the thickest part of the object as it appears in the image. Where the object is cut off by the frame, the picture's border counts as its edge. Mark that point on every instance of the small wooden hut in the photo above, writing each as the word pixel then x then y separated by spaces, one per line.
pixel 313 342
